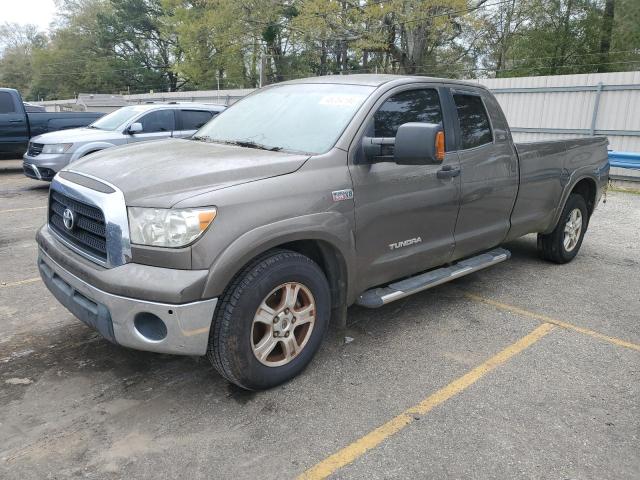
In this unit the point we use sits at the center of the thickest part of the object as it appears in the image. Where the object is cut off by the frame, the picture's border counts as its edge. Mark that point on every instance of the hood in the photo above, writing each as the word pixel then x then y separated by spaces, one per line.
pixel 72 135
pixel 162 173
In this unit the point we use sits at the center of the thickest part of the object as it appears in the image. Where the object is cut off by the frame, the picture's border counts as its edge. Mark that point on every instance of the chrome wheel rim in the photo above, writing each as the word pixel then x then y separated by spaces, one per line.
pixel 283 324
pixel 572 229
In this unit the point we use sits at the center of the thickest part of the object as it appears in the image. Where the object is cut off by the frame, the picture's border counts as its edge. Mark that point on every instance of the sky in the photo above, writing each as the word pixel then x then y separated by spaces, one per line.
pixel 37 12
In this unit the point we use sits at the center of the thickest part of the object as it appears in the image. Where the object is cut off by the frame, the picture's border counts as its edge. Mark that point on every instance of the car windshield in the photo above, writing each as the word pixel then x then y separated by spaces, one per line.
pixel 306 118
pixel 117 119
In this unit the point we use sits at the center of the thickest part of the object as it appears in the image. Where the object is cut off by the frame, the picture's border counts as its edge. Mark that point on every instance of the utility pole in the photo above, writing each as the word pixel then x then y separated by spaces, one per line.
pixel 261 71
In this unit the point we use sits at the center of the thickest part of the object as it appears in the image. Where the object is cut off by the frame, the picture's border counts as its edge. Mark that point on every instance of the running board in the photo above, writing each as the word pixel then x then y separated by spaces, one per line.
pixel 377 297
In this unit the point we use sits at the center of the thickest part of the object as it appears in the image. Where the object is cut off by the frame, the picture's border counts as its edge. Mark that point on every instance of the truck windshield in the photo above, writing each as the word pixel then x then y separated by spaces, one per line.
pixel 306 118
pixel 117 119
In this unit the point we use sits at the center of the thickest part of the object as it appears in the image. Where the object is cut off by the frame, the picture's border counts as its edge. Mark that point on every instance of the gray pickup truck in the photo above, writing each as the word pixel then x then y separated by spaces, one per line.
pixel 306 197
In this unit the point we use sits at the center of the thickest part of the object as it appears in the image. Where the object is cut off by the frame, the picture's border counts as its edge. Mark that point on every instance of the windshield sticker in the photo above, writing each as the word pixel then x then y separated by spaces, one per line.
pixel 340 100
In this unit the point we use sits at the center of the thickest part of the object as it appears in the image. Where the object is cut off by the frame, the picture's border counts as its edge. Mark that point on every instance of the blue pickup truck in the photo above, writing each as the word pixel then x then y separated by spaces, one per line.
pixel 17 125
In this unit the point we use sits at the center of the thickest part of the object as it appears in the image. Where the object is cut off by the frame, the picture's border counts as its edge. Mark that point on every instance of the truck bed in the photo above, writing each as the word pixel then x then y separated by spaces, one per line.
pixel 545 169
pixel 43 122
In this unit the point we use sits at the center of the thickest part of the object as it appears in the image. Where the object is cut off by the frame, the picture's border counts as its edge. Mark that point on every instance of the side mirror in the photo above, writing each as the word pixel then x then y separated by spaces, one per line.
pixel 378 149
pixel 419 144
pixel 135 127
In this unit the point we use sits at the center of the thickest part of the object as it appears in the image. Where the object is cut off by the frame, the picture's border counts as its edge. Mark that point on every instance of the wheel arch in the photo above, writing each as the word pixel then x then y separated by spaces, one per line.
pixel 330 260
pixel 92 147
pixel 91 151
pixel 586 186
pixel 333 249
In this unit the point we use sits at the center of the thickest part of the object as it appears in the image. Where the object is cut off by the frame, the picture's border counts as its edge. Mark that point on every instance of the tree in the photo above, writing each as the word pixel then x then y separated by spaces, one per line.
pixel 140 45
pixel 17 44
pixel 606 31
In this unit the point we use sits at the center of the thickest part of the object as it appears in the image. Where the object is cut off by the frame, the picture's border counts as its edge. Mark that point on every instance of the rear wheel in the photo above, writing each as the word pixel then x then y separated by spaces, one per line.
pixel 271 321
pixel 563 244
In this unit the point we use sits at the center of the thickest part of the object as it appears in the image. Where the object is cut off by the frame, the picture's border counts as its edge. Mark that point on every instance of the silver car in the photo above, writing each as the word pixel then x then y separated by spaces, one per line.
pixel 49 153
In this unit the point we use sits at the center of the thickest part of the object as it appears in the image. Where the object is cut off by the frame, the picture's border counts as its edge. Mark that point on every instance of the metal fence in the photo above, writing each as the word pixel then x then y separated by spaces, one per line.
pixel 570 106
pixel 537 108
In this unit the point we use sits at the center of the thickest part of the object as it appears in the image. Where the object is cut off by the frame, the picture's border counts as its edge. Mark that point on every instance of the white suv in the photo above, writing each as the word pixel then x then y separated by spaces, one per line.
pixel 50 152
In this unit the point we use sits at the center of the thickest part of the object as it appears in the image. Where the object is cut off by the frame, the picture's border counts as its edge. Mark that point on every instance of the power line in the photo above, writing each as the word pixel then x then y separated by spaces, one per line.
pixel 433 65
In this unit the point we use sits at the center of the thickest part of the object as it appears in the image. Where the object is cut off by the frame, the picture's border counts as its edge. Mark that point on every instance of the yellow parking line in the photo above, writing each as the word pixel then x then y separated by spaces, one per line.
pixel 554 321
pixel 371 440
pixel 22 209
pixel 21 282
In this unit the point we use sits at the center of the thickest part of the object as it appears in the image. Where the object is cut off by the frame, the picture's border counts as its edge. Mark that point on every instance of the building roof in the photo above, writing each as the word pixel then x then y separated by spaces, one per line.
pixel 101 100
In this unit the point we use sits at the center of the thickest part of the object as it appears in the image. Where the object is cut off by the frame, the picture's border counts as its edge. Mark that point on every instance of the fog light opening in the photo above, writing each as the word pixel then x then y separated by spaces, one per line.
pixel 150 326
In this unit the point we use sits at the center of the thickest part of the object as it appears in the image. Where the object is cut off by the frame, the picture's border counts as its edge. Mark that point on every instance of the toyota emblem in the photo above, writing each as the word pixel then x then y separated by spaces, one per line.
pixel 69 219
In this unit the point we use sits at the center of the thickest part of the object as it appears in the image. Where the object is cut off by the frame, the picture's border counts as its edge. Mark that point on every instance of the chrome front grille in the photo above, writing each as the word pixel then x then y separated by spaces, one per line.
pixel 35 149
pixel 97 226
pixel 87 232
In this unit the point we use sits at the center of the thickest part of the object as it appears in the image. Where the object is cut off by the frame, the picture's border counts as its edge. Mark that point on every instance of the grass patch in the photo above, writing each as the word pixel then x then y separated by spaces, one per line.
pixel 632 191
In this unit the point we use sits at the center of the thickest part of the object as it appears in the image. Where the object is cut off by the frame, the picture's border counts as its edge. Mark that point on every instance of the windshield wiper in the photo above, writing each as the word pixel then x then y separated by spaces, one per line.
pixel 237 143
pixel 201 138
pixel 250 144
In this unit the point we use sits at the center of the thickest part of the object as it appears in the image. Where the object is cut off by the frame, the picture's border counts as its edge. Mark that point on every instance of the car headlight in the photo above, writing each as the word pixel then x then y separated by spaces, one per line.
pixel 56 147
pixel 162 227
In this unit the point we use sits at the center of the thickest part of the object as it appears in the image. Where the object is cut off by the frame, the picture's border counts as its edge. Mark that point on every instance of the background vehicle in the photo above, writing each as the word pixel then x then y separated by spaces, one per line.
pixel 18 124
pixel 301 200
pixel 50 152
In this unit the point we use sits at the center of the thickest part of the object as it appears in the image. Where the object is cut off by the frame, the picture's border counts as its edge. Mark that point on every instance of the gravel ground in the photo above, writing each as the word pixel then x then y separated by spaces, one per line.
pixel 74 405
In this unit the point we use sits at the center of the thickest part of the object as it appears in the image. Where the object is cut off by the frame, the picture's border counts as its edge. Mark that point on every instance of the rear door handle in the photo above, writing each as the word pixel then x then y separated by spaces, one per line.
pixel 447 171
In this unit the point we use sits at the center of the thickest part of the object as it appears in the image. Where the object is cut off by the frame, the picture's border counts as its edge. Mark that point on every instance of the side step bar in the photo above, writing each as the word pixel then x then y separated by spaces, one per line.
pixel 377 297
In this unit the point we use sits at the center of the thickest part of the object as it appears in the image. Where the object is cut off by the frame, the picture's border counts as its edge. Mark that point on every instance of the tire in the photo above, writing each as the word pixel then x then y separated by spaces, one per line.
pixel 563 244
pixel 239 324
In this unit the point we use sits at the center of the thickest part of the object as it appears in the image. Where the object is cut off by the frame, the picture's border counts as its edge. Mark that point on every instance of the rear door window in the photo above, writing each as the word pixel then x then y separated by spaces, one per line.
pixel 194 119
pixel 410 106
pixel 475 127
pixel 158 121
pixel 6 103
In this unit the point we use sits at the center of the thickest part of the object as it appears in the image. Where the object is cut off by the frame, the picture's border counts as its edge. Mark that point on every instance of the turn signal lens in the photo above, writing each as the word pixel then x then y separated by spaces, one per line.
pixel 440 146
pixel 206 218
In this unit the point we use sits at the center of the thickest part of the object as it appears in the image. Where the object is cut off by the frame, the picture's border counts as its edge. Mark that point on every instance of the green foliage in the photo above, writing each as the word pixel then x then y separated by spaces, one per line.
pixel 113 46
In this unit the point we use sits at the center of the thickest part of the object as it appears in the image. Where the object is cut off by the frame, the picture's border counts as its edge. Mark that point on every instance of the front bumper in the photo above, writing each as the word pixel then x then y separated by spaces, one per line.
pixel 45 165
pixel 181 329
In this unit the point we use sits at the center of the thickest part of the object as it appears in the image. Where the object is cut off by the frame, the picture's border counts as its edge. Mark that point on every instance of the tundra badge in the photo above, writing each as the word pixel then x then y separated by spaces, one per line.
pixel 404 243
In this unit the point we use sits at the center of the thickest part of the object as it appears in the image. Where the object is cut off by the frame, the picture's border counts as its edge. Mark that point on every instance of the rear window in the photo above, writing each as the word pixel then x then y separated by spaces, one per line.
pixel 475 127
pixel 6 103
pixel 194 119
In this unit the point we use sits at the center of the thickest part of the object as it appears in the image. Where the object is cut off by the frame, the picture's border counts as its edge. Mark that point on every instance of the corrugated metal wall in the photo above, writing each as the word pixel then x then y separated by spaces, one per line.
pixel 536 107
pixel 536 110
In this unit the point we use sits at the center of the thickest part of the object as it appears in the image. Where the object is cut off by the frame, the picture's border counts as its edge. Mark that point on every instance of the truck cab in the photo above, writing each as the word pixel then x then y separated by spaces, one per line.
pixel 17 125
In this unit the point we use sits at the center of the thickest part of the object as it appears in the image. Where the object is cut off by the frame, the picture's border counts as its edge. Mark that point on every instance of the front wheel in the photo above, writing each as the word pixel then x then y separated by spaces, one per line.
pixel 563 244
pixel 271 321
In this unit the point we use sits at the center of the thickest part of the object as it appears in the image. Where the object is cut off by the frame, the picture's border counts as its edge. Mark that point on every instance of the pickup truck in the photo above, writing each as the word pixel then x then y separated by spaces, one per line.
pixel 300 200
pixel 18 124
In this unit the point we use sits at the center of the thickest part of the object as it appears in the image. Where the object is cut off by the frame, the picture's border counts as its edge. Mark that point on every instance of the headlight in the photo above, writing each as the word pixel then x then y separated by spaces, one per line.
pixel 163 227
pixel 56 147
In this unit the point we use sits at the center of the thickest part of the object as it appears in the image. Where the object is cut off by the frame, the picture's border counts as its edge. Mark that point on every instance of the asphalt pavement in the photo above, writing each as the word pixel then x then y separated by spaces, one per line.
pixel 524 370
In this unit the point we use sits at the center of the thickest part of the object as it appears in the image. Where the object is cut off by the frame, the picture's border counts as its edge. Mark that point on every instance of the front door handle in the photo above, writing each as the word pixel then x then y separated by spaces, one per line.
pixel 447 171
pixel 15 121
